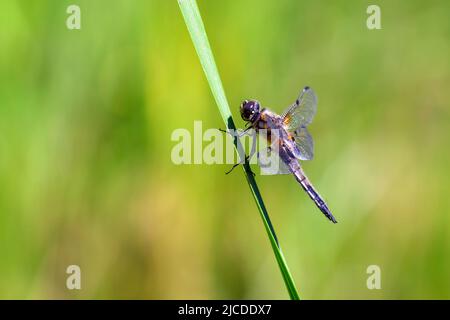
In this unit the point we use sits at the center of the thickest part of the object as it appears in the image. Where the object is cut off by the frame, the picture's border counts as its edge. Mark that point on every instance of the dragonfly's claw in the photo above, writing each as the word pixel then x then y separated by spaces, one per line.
pixel 232 168
pixel 247 161
pixel 236 133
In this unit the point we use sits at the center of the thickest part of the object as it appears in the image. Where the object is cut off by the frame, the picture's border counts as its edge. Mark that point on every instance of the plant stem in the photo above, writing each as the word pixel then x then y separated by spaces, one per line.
pixel 197 31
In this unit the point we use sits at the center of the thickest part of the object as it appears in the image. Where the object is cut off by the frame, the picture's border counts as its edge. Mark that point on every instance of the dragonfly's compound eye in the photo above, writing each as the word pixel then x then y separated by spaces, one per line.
pixel 249 110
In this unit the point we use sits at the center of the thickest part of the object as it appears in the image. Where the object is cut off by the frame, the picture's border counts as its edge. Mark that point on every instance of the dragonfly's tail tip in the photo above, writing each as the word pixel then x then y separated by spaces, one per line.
pixel 329 215
pixel 332 218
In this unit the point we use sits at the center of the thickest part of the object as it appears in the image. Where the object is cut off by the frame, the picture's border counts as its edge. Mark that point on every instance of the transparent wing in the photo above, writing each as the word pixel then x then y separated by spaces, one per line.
pixel 304 143
pixel 270 162
pixel 302 112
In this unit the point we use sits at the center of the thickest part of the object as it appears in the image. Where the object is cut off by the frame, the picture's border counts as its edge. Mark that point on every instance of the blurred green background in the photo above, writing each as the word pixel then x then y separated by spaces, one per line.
pixel 86 176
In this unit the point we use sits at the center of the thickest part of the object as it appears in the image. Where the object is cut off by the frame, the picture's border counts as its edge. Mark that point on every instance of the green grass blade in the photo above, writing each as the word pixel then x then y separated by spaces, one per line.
pixel 197 31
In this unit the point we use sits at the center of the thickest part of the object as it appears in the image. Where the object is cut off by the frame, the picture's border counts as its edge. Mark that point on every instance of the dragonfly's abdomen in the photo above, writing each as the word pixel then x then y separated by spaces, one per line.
pixel 313 194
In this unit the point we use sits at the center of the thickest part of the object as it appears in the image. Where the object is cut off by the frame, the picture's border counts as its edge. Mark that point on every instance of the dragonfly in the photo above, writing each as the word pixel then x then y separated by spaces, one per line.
pixel 292 141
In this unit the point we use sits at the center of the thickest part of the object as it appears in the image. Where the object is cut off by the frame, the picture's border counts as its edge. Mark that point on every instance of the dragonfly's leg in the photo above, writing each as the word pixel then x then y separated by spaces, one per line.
pixel 252 152
pixel 248 157
pixel 247 160
pixel 245 131
pixel 232 168
pixel 239 134
pixel 236 164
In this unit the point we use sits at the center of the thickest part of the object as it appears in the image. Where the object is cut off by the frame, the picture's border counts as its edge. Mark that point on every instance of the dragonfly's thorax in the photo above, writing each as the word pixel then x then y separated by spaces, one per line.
pixel 270 126
pixel 269 122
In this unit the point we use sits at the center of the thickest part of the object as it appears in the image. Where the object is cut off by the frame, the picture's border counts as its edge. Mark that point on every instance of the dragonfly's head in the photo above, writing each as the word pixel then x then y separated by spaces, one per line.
pixel 250 110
